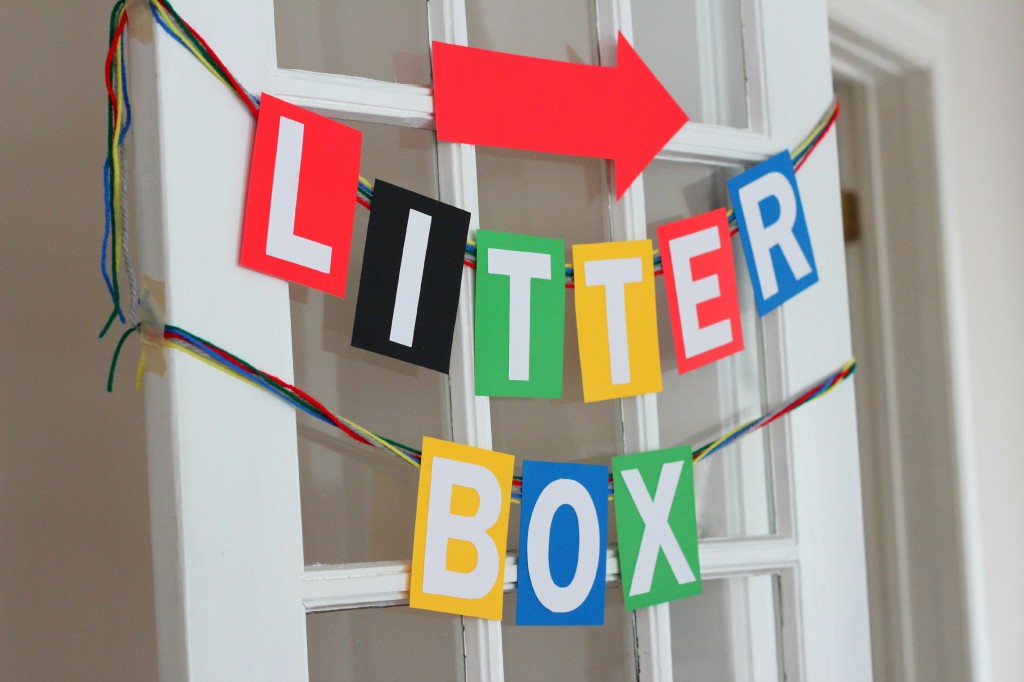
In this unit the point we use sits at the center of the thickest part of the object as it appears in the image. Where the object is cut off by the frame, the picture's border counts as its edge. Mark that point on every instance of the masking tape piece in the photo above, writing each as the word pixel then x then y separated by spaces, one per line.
pixel 140 22
pixel 151 320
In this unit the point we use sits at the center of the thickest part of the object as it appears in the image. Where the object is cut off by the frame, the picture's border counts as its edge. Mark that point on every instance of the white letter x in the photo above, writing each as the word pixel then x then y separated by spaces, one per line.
pixel 658 534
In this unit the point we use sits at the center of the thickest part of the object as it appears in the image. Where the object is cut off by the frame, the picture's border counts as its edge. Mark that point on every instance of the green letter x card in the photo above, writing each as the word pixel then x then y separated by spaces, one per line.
pixel 657 524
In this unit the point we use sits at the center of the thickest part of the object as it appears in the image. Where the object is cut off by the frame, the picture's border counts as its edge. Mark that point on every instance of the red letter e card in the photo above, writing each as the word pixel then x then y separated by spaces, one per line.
pixel 700 280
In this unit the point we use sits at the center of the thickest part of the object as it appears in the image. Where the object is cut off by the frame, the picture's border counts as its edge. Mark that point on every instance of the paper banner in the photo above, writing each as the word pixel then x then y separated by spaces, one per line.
pixel 657 525
pixel 776 242
pixel 411 279
pixel 458 558
pixel 520 315
pixel 700 281
pixel 616 319
pixel 301 200
pixel 563 540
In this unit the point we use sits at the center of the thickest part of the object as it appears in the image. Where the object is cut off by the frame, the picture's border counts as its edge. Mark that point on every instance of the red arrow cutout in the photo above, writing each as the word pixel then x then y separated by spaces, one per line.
pixel 496 99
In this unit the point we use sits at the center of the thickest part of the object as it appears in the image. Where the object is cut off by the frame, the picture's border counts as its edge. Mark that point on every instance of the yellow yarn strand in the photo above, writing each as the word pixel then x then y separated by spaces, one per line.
pixel 115 160
pixel 822 124
pixel 366 433
pixel 172 24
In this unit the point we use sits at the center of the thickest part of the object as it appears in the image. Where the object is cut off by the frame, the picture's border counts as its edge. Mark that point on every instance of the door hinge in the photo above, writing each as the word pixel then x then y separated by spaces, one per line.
pixel 851 217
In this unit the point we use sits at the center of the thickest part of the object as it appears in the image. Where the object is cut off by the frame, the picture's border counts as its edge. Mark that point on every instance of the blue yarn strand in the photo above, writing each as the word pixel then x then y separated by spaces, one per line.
pixel 165 27
pixel 106 235
pixel 127 103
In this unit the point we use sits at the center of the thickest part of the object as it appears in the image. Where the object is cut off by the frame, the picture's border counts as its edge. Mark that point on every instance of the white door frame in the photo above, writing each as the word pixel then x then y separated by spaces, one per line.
pixel 897 55
pixel 223 459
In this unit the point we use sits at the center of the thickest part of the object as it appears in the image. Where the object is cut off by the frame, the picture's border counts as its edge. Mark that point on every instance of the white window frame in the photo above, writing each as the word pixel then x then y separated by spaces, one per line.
pixel 232 591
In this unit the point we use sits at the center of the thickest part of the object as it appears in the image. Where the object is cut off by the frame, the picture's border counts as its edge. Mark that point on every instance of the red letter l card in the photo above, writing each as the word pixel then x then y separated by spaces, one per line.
pixel 302 197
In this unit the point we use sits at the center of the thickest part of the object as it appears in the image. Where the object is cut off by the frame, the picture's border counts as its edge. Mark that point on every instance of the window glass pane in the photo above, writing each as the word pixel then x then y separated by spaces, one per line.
pixel 695 48
pixel 359 503
pixel 386 40
pixel 560 197
pixel 396 644
pixel 733 487
pixel 731 632
pixel 570 653
pixel 565 30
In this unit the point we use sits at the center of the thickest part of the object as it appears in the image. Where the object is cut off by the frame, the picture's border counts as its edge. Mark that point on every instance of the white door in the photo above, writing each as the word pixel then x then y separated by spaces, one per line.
pixel 274 539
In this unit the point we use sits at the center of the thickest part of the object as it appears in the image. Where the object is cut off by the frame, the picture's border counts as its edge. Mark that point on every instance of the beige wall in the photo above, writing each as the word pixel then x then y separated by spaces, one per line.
pixel 75 569
pixel 988 68
pixel 76 599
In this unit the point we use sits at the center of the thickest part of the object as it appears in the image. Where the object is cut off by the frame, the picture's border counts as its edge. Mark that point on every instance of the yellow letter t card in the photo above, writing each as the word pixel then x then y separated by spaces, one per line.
pixel 616 319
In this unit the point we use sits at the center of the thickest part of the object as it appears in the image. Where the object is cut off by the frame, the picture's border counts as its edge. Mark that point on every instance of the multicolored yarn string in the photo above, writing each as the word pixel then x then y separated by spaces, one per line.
pixel 799 155
pixel 186 36
pixel 226 361
pixel 119 121
pixel 236 366
pixel 825 386
pixel 115 252
pixel 811 142
pixel 183 33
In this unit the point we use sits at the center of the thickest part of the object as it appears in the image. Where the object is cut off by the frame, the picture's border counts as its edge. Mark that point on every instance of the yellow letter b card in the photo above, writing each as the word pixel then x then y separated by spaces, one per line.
pixel 458 557
pixel 616 319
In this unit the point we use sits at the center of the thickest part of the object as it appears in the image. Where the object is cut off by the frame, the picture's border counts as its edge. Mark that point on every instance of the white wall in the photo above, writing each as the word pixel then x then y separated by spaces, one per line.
pixel 988 66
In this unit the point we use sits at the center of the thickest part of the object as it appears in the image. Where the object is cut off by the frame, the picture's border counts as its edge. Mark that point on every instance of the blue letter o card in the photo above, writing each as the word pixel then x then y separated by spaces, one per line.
pixel 563 541
pixel 657 524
